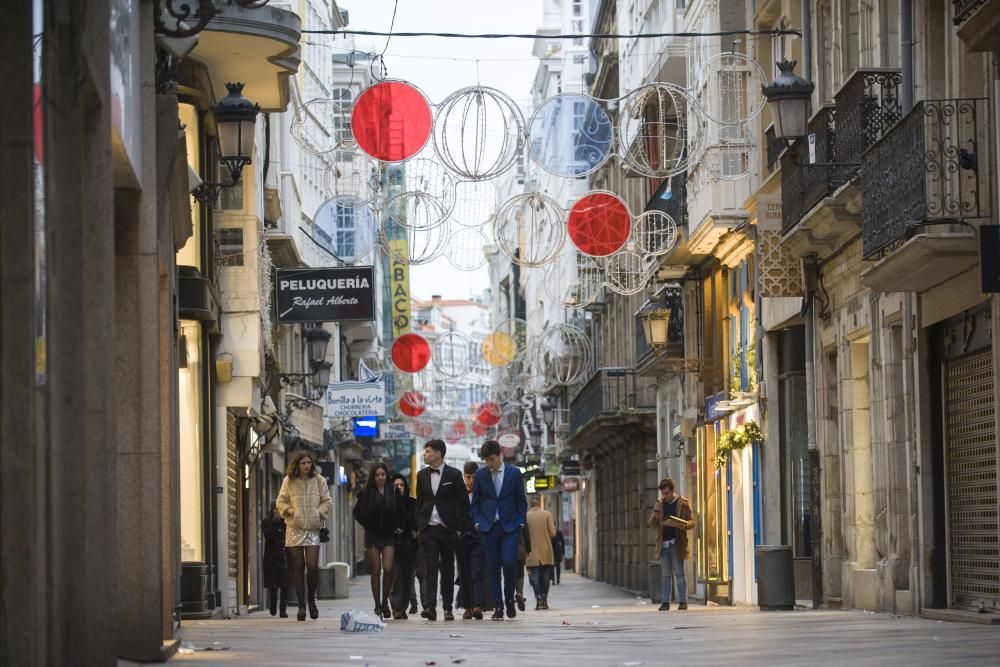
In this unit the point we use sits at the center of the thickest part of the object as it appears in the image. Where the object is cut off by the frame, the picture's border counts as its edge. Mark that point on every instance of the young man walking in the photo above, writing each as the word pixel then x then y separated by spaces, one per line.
pixel 673 518
pixel 499 511
pixel 442 514
pixel 470 558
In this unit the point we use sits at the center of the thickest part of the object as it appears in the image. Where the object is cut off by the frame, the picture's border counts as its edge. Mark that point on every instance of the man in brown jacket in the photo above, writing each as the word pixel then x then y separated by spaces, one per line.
pixel 672 517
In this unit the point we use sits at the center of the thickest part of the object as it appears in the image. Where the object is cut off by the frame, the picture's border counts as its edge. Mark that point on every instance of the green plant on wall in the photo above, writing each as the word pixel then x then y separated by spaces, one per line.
pixel 735 440
pixel 752 366
pixel 736 376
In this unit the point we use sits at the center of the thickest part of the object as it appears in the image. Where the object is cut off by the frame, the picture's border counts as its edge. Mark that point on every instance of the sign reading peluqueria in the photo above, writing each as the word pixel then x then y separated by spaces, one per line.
pixel 325 295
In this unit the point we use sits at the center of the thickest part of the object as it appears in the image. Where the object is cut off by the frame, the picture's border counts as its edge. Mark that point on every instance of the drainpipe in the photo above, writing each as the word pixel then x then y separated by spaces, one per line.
pixel 807 41
pixel 906 55
pixel 909 378
pixel 814 462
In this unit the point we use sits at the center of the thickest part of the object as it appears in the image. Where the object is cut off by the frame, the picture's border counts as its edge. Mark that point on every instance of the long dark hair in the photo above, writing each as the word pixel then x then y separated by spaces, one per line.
pixel 370 484
pixel 370 495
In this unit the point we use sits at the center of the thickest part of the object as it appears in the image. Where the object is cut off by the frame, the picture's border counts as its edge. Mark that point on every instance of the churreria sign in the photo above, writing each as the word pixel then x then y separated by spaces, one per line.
pixel 325 295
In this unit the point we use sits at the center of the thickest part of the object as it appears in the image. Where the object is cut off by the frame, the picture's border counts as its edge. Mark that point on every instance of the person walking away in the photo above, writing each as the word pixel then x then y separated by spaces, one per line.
pixel 442 513
pixel 558 553
pixel 499 511
pixel 406 550
pixel 470 558
pixel 541 528
pixel 304 502
pixel 378 513
pixel 672 517
pixel 275 562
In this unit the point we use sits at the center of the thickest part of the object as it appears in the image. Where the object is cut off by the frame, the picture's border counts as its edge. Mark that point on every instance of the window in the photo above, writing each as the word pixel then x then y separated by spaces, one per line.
pixel 342 114
pixel 230 246
pixel 577 7
pixel 344 230
pixel 578 30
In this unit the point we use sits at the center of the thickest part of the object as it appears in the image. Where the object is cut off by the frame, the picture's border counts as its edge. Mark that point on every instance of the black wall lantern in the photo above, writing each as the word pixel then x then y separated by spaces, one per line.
pixel 316 340
pixel 235 119
pixel 789 96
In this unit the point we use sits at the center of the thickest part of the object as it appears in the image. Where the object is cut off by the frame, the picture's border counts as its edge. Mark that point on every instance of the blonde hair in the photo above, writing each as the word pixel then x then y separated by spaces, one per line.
pixel 293 465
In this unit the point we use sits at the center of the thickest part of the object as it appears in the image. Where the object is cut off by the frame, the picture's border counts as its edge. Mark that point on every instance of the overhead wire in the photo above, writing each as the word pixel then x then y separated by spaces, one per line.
pixel 595 35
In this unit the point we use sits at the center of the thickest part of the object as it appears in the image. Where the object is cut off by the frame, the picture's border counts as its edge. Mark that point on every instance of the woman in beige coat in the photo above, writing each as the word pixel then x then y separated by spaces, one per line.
pixel 541 530
pixel 304 502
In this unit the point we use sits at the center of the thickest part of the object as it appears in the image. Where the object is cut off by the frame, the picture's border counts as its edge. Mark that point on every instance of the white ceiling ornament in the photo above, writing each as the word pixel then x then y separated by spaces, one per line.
pixel 478 133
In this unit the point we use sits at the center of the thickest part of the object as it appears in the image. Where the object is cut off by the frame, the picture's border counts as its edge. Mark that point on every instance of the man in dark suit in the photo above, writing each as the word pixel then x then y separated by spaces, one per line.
pixel 499 510
pixel 442 514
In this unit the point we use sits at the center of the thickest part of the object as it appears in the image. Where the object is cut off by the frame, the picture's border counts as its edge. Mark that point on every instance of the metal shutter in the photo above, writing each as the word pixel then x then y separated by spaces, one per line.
pixel 232 491
pixel 971 460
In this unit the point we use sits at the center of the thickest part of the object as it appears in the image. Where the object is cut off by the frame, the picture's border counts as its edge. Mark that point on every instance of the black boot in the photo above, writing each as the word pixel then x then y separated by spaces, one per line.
pixel 313 609
pixel 283 603
pixel 302 612
pixel 272 602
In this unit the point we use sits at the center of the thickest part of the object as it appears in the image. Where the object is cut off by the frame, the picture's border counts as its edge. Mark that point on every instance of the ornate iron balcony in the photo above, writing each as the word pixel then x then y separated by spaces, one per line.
pixel 803 184
pixel 963 9
pixel 934 167
pixel 608 392
pixel 867 106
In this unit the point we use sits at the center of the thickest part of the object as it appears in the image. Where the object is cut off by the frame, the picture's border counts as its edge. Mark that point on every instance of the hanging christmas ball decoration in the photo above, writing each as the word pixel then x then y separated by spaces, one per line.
pixel 599 224
pixel 412 403
pixel 529 229
pixel 488 414
pixel 653 130
pixel 452 354
pixel 479 429
pixel 478 132
pixel 570 135
pixel 391 121
pixel 411 353
pixel 654 233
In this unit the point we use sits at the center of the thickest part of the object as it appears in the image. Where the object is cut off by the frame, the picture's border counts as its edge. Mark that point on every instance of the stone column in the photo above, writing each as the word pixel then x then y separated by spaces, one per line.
pixel 22 622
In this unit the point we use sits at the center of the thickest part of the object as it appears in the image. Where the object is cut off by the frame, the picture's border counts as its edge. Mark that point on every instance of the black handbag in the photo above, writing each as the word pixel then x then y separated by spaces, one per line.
pixel 324 534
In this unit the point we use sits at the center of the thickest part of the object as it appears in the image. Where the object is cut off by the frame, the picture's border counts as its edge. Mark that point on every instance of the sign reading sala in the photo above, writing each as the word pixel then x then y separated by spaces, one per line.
pixel 325 295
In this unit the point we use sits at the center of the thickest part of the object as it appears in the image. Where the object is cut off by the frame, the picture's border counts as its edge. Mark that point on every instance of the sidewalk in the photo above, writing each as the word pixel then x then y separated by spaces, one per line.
pixel 590 623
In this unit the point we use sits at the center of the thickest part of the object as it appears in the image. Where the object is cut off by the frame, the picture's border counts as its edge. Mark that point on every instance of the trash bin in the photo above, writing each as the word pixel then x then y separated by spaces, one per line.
pixel 775 577
pixel 341 575
pixel 655 582
pixel 326 590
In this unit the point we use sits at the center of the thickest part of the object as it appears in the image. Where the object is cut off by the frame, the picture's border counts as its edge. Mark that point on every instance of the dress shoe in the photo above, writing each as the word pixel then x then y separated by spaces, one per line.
pixel 682 606
pixel 497 614
pixel 301 616
pixel 665 606
pixel 520 602
pixel 545 602
pixel 511 612
pixel 283 613
pixel 423 614
pixel 413 607
pixel 313 610
pixel 431 614
pixel 448 616
pixel 477 613
pixel 397 615
pixel 538 604
pixel 467 614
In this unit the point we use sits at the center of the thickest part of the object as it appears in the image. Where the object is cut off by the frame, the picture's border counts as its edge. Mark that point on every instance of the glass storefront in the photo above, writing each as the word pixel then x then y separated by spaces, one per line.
pixel 191 428
pixel 713 546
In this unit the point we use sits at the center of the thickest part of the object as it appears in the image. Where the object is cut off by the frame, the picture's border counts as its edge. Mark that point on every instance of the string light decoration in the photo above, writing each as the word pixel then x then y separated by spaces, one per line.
pixel 529 229
pixel 466 122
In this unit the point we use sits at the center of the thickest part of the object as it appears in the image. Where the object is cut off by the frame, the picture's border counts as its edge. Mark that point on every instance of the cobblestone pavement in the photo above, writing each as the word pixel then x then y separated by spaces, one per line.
pixel 594 624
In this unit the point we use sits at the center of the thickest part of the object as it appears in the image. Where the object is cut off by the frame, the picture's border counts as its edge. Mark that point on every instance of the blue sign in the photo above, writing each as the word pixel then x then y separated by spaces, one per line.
pixel 712 412
pixel 365 427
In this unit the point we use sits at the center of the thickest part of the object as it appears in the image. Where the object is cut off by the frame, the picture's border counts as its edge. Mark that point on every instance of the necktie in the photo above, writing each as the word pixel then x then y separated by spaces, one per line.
pixel 434 471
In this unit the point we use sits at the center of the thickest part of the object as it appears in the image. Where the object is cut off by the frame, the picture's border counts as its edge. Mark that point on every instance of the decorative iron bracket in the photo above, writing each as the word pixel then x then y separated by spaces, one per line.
pixel 186 18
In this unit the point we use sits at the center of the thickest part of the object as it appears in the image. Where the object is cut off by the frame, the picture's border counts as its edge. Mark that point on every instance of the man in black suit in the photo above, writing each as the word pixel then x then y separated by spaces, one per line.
pixel 442 515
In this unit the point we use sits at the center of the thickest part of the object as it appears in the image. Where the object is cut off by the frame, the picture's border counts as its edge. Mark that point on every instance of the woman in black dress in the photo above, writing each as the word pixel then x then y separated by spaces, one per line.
pixel 378 512
pixel 275 562
pixel 406 548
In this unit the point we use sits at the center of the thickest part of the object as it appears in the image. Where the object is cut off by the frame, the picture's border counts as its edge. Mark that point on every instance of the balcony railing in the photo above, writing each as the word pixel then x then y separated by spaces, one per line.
pixel 867 107
pixel 608 392
pixel 935 166
pixel 804 178
pixel 963 9
pixel 671 198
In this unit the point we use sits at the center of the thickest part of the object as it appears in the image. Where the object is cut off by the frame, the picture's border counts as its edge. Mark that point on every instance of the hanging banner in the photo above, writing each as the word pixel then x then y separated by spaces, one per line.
pixel 336 294
pixel 355 399
pixel 399 283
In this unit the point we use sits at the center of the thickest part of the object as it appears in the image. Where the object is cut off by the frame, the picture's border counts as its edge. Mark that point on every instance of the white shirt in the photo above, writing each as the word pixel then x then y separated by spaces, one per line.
pixel 497 478
pixel 435 519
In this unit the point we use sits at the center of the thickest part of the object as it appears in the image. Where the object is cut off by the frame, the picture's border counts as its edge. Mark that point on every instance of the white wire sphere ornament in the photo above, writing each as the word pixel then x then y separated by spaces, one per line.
pixel 734 90
pixel 314 128
pixel 627 272
pixel 730 154
pixel 423 196
pixel 530 229
pixel 413 246
pixel 589 281
pixel 351 173
pixel 465 248
pixel 452 353
pixel 654 233
pixel 476 202
pixel 563 354
pixel 653 130
pixel 570 135
pixel 346 227
pixel 478 132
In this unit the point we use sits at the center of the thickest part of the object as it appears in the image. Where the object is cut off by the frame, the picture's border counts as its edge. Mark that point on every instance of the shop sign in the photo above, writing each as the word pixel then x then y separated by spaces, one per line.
pixel 355 399
pixel 769 212
pixel 509 440
pixel 571 467
pixel 399 284
pixel 571 484
pixel 335 294
pixel 395 431
pixel 712 412
pixel 125 73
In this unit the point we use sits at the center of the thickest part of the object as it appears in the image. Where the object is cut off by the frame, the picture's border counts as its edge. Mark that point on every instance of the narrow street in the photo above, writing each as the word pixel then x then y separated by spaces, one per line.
pixel 594 624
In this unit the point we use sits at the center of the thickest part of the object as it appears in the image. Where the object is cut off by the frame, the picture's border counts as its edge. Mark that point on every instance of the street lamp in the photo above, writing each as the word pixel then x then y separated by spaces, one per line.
pixel 235 119
pixel 321 376
pixel 789 95
pixel 655 324
pixel 548 412
pixel 535 431
pixel 317 339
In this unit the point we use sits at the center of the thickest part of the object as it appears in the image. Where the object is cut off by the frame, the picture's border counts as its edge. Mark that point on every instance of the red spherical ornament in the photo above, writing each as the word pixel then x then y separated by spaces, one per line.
pixel 488 414
pixel 391 121
pixel 411 353
pixel 478 428
pixel 459 429
pixel 412 403
pixel 599 224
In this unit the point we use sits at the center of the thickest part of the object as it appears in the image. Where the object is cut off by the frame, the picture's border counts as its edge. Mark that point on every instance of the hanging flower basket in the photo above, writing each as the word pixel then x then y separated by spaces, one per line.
pixel 735 440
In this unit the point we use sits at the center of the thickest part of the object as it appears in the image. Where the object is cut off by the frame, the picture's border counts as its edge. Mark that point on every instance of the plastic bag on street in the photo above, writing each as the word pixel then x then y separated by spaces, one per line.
pixel 356 620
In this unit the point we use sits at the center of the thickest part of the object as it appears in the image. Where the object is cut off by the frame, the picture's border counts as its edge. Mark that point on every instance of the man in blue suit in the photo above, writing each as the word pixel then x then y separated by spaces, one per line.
pixel 499 509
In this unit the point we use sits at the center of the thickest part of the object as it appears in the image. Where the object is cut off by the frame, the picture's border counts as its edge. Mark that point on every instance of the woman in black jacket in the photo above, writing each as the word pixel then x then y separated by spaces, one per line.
pixel 275 562
pixel 378 512
pixel 406 548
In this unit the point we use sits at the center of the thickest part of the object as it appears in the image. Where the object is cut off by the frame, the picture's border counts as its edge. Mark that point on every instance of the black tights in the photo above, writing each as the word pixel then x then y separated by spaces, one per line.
pixel 305 557
pixel 381 572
